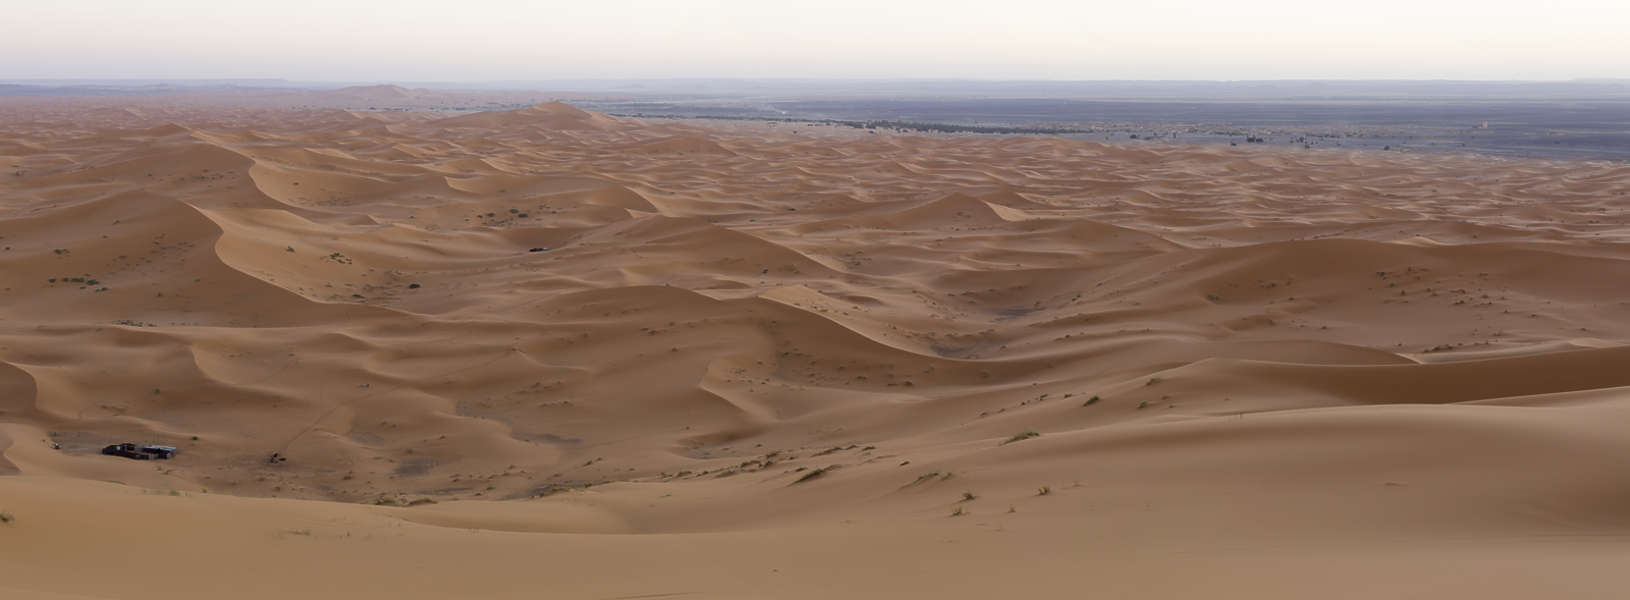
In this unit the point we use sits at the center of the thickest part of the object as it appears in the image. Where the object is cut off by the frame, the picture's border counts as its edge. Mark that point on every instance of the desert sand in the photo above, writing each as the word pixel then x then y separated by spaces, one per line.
pixel 548 353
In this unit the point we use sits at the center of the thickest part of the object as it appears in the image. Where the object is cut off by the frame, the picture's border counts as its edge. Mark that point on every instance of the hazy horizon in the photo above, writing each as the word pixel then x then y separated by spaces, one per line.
pixel 501 81
pixel 420 41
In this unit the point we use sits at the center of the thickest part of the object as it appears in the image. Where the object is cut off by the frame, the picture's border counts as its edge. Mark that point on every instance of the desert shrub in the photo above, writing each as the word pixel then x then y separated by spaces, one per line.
pixel 1021 436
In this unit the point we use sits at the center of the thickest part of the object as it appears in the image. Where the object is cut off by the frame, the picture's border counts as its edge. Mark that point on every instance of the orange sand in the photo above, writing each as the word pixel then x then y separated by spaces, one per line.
pixel 769 362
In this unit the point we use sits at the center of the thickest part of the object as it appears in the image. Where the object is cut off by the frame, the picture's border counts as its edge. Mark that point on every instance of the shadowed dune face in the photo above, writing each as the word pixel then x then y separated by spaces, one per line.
pixel 504 305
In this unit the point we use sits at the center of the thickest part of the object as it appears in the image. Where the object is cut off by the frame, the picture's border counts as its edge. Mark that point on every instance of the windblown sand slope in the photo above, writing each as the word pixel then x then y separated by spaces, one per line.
pixel 552 352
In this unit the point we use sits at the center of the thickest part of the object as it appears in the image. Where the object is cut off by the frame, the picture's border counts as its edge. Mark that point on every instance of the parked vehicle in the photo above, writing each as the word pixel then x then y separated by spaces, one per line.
pixel 140 452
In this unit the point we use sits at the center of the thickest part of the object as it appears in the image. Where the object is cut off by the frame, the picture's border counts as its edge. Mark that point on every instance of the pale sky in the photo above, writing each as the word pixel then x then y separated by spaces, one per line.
pixel 472 40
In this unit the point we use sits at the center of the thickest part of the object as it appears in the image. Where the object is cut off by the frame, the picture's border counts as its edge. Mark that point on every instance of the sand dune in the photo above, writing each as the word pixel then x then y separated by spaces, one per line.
pixel 553 352
pixel 554 116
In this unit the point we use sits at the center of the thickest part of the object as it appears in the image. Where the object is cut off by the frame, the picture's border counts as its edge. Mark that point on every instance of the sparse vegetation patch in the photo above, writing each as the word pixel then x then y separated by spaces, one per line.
pixel 1021 436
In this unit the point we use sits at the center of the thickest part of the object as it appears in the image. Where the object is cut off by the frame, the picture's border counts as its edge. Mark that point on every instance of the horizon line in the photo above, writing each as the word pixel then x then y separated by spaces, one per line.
pixel 819 79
